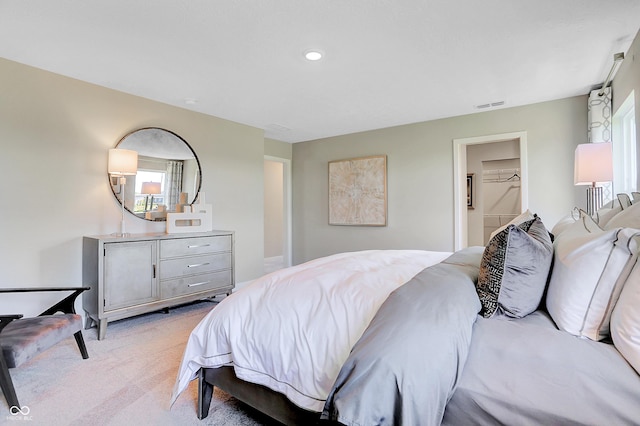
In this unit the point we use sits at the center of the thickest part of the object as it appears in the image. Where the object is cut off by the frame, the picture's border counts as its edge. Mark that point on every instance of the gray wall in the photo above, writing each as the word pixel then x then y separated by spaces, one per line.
pixel 55 134
pixel 273 209
pixel 420 176
pixel 278 149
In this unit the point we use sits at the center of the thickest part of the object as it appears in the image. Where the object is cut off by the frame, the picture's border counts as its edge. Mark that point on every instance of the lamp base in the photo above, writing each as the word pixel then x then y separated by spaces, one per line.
pixel 123 233
pixel 120 234
pixel 594 199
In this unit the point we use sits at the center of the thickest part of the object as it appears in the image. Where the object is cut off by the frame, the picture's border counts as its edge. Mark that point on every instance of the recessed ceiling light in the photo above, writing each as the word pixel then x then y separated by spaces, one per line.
pixel 313 55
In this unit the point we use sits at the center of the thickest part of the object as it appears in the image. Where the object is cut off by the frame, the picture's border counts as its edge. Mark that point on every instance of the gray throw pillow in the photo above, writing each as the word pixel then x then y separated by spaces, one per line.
pixel 514 270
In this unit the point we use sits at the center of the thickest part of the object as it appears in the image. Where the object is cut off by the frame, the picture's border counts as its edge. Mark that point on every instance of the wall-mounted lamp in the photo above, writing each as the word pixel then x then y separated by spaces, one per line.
pixel 122 162
pixel 150 189
pixel 593 164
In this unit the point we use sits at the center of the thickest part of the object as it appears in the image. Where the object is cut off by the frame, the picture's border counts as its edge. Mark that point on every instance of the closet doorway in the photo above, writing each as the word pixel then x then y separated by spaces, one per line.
pixel 469 155
pixel 277 213
pixel 497 199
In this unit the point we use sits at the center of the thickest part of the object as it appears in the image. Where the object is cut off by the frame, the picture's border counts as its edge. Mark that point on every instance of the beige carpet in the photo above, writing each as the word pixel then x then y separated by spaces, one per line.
pixel 127 379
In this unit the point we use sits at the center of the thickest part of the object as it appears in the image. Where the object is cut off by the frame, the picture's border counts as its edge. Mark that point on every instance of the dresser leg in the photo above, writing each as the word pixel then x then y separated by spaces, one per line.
pixel 88 321
pixel 102 329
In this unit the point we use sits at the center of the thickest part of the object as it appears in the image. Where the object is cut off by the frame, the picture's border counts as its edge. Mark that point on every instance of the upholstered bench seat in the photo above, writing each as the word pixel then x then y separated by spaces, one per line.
pixel 22 340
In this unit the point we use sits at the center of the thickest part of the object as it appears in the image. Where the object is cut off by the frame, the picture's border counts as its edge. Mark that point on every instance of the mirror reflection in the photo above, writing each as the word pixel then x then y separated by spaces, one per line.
pixel 168 176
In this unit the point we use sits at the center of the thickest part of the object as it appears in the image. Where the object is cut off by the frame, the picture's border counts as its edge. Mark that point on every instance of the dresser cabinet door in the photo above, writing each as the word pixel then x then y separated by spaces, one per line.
pixel 129 274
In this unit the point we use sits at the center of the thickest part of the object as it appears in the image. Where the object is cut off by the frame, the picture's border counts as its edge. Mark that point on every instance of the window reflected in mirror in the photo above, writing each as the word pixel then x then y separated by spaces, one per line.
pixel 150 186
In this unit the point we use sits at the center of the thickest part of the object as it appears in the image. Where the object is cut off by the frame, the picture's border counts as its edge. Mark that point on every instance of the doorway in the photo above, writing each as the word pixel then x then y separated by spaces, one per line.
pixel 497 194
pixel 461 207
pixel 277 213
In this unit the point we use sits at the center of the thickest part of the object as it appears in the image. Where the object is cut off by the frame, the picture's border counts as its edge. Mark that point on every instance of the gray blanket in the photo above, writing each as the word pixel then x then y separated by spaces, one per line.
pixel 526 372
pixel 405 367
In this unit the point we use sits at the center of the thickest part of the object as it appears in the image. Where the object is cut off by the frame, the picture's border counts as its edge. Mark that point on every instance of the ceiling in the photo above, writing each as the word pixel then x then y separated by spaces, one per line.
pixel 386 62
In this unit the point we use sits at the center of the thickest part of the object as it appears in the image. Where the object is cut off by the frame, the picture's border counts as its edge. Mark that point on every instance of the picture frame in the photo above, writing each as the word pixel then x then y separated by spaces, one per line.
pixel 358 191
pixel 470 191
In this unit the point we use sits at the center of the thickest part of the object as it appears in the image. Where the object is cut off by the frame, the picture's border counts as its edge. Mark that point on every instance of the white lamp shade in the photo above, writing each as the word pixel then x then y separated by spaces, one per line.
pixel 593 163
pixel 151 188
pixel 123 162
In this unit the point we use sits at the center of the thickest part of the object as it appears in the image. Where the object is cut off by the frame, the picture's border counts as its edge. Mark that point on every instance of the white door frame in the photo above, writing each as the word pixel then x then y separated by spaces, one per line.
pixel 287 208
pixel 460 235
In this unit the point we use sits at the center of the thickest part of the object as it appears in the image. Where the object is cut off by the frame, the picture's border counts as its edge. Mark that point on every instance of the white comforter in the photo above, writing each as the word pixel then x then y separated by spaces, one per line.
pixel 292 330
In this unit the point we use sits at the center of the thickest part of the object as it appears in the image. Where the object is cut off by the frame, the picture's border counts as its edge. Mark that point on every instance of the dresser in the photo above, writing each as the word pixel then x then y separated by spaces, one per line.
pixel 142 273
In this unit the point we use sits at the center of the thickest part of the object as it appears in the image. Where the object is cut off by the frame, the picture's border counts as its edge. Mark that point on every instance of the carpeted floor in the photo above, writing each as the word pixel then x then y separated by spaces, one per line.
pixel 127 379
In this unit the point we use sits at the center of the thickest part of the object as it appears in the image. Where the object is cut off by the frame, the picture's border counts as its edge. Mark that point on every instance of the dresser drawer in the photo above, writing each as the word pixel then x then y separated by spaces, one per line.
pixel 193 246
pixel 171 268
pixel 195 284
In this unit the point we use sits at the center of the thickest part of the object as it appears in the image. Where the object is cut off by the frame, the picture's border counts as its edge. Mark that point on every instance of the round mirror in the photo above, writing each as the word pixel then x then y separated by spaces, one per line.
pixel 168 175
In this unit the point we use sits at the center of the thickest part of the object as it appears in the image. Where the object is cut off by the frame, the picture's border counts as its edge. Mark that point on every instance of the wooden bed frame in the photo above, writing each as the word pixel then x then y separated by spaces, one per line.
pixel 263 399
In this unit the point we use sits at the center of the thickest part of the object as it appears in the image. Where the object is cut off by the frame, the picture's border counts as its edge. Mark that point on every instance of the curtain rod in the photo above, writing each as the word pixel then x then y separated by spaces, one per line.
pixel 617 58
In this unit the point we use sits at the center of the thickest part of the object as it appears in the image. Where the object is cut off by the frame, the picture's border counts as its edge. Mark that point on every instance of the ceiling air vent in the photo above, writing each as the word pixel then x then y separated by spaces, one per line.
pixel 490 105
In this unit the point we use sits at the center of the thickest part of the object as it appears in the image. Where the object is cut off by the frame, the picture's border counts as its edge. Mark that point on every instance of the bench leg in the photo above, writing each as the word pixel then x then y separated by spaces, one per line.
pixel 7 384
pixel 205 393
pixel 81 345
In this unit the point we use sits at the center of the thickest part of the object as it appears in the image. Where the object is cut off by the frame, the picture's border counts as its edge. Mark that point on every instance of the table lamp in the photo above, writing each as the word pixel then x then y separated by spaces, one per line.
pixel 150 189
pixel 593 164
pixel 122 162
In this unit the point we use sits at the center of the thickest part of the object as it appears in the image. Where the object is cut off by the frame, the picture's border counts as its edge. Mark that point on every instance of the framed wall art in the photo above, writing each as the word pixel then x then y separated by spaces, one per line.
pixel 358 191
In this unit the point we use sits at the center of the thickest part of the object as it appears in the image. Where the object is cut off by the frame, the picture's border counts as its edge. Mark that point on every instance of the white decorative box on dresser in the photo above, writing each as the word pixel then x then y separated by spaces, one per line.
pixel 147 272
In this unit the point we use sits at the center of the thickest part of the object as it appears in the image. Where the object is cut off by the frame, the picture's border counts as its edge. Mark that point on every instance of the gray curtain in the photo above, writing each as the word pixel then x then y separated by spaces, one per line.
pixel 174 183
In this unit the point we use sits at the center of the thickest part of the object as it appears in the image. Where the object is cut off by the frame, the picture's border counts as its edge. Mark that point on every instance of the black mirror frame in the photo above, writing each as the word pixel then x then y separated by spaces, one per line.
pixel 116 192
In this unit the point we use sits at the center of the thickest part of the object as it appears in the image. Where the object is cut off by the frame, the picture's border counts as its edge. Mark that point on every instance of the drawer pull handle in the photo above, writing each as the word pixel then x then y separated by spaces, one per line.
pixel 195 265
pixel 199 245
pixel 197 284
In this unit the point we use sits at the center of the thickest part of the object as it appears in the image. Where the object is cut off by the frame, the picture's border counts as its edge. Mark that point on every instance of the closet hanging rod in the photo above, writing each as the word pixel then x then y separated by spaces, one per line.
pixel 617 58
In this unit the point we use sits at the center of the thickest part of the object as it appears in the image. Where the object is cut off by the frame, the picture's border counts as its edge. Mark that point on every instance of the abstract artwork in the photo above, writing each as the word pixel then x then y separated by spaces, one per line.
pixel 358 191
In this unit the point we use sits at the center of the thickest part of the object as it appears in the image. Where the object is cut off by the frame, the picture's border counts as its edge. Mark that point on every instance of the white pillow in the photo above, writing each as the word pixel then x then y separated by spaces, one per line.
pixel 624 199
pixel 625 320
pixel 590 267
pixel 521 218
pixel 565 222
pixel 605 214
pixel 627 218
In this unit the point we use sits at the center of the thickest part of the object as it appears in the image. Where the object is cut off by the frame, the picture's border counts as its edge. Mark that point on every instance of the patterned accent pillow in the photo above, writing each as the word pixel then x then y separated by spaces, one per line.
pixel 514 270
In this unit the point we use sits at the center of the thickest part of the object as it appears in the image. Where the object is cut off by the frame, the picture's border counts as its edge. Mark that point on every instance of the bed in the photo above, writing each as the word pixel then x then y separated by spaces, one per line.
pixel 524 331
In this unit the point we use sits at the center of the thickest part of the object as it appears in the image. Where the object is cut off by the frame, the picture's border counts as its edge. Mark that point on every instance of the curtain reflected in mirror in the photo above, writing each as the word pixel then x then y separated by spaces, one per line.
pixel 168 177
pixel 174 182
